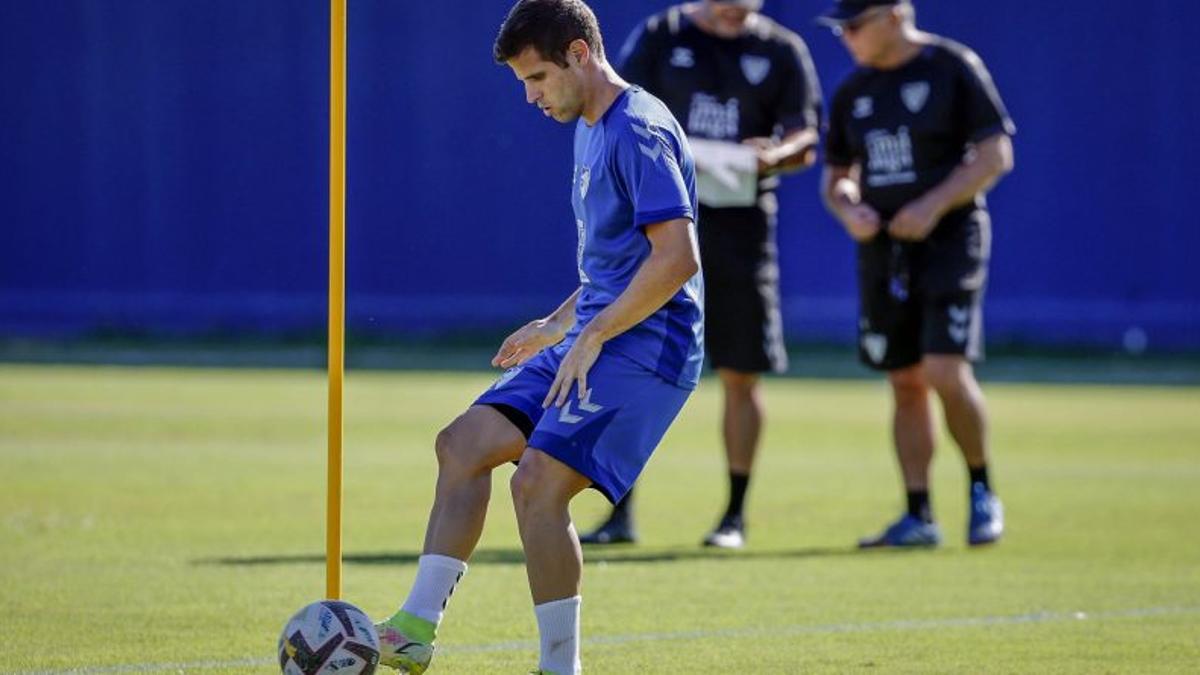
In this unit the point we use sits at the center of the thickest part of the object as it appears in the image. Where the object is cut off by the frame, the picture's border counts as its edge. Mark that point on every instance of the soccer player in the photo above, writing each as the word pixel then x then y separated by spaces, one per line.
pixel 917 136
pixel 591 388
pixel 732 76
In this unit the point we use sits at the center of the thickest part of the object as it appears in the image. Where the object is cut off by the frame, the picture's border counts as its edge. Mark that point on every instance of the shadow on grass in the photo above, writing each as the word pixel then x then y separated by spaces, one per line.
pixel 592 556
pixel 482 556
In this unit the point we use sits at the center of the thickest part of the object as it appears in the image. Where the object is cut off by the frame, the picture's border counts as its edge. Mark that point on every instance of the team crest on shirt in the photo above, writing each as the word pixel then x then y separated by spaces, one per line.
pixel 755 68
pixel 915 94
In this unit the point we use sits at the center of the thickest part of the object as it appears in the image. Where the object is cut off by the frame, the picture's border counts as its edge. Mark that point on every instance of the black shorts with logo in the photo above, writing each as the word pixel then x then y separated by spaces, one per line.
pixel 743 327
pixel 918 298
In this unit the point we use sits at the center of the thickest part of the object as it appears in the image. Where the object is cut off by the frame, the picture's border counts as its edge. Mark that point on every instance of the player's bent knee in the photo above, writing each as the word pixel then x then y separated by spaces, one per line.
pixel 470 444
pixel 522 487
pixel 528 490
pixel 444 444
pixel 542 481
pixel 530 477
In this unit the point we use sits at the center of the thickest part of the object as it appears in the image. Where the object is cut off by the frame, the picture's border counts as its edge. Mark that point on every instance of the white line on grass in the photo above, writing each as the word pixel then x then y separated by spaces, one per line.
pixel 770 632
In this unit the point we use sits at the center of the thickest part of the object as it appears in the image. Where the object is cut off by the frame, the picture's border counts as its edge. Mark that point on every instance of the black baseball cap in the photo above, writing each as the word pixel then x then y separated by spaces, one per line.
pixel 844 10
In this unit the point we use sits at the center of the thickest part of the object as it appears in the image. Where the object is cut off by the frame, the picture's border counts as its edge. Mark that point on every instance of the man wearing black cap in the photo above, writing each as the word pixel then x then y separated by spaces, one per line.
pixel 747 93
pixel 917 135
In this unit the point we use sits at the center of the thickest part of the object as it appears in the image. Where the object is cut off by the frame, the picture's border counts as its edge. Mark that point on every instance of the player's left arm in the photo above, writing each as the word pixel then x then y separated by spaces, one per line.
pixel 982 168
pixel 536 335
pixel 798 111
pixel 988 159
pixel 674 259
pixel 795 152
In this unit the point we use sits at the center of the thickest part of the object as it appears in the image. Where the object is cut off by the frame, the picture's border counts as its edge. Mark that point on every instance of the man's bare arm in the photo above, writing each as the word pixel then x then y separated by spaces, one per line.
pixel 536 335
pixel 842 196
pixel 979 172
pixel 795 152
pixel 674 259
pixel 990 159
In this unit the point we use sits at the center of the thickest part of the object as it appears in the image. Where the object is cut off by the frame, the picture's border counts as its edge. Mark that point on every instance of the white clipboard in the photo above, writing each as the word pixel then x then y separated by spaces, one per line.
pixel 726 173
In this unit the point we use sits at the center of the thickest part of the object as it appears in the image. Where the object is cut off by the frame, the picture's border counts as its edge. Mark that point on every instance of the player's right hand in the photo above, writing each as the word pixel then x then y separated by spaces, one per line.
pixel 526 342
pixel 861 221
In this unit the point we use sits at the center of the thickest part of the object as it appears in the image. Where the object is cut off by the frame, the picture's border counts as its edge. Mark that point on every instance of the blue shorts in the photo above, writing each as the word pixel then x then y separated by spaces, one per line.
pixel 609 436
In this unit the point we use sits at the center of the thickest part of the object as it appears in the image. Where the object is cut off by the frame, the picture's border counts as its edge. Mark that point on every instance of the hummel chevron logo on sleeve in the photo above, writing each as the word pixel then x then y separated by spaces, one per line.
pixel 654 150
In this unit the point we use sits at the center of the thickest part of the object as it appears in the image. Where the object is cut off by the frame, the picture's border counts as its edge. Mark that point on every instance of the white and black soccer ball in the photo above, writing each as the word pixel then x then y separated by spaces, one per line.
pixel 329 636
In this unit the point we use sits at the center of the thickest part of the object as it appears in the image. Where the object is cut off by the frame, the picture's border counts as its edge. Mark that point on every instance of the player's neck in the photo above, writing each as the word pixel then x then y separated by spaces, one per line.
pixel 905 49
pixel 604 86
pixel 700 16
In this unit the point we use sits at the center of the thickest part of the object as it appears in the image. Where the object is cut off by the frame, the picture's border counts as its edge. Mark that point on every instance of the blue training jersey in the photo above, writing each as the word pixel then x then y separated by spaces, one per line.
pixel 632 169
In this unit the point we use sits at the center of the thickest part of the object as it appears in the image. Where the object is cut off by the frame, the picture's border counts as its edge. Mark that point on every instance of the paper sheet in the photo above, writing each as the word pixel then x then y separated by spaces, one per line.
pixel 726 173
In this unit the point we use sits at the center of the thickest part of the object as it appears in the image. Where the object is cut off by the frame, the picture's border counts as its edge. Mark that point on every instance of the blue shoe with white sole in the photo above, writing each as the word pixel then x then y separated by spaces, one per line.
pixel 987 517
pixel 907 532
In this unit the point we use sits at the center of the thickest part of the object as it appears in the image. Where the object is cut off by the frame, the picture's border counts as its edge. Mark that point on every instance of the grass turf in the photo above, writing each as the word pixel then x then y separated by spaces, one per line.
pixel 170 520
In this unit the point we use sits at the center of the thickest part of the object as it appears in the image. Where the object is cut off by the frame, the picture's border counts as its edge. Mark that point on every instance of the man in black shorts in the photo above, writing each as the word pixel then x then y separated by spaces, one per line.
pixel 917 135
pixel 747 94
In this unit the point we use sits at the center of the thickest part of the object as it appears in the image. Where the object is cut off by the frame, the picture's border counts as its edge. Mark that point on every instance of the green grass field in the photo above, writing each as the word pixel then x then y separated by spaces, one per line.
pixel 171 520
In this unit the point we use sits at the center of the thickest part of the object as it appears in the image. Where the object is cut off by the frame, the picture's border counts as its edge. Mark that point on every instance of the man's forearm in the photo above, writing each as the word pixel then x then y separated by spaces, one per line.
pixel 658 280
pixel 563 318
pixel 992 160
pixel 795 152
pixel 838 190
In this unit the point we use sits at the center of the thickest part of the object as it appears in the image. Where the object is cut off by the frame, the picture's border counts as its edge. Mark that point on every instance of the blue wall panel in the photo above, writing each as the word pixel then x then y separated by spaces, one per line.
pixel 162 169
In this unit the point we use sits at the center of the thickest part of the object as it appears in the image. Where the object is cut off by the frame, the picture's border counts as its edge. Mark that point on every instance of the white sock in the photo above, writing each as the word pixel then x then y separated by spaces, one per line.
pixel 437 575
pixel 558 624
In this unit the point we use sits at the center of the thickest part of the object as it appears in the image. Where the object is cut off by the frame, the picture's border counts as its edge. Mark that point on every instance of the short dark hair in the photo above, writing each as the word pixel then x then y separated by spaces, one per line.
pixel 548 26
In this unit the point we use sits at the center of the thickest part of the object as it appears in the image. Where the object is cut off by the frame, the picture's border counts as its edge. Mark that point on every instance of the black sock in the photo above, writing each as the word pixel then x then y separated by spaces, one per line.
pixel 918 505
pixel 737 495
pixel 980 475
pixel 622 510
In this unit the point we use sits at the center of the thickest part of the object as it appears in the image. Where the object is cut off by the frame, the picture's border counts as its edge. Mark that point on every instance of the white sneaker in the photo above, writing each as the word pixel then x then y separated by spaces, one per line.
pixel 731 534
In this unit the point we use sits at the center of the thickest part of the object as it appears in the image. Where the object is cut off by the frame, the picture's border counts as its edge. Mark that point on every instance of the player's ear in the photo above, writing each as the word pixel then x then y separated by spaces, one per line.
pixel 578 52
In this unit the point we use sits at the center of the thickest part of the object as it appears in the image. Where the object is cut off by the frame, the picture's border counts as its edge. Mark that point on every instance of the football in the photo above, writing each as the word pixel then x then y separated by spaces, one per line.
pixel 327 637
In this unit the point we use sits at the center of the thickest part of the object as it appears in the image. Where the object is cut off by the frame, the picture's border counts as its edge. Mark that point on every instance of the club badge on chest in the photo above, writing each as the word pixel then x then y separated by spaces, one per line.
pixel 914 95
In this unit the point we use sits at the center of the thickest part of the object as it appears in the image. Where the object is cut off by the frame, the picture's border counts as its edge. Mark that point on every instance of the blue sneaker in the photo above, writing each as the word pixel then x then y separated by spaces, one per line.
pixel 987 517
pixel 909 531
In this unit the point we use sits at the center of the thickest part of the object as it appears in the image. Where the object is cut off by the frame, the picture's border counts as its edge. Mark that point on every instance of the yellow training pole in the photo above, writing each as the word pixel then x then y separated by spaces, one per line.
pixel 337 291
